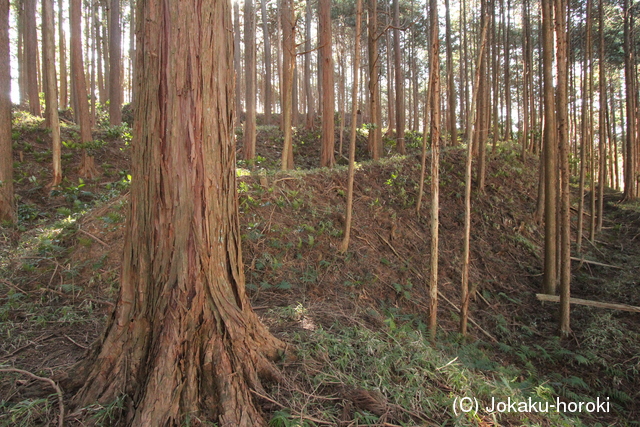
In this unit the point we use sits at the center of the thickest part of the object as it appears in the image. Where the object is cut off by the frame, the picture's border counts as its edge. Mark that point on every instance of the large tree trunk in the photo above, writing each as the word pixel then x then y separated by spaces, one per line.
pixel 328 92
pixel 183 340
pixel 31 56
pixel 48 49
pixel 87 168
pixel 249 147
pixel 7 201
pixel 115 60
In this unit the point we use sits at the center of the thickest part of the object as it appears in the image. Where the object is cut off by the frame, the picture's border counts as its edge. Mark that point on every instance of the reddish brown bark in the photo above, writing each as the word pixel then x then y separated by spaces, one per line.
pixel 48 49
pixel 115 61
pixel 31 56
pixel 288 68
pixel 328 95
pixel 375 134
pixel 7 201
pixel 63 93
pixel 87 167
pixel 183 340
pixel 249 149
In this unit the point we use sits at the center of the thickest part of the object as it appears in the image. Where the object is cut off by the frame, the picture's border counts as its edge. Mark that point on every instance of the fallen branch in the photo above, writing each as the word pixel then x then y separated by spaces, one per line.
pixel 12 286
pixel 586 261
pixel 76 343
pixel 613 306
pixel 93 237
pixel 48 381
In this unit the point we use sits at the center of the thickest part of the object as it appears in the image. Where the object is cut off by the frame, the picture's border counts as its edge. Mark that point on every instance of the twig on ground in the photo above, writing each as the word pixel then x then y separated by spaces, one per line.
pixel 586 261
pixel 12 286
pixel 79 345
pixel 93 237
pixel 49 381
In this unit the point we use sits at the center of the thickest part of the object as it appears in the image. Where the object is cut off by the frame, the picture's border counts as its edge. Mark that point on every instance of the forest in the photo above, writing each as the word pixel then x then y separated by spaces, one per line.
pixel 319 213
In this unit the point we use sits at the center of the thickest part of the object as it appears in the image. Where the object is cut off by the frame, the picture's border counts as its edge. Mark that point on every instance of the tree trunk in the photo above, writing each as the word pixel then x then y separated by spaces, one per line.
pixel 375 134
pixel 62 46
pixel 115 60
pixel 464 76
pixel 550 150
pixel 183 340
pixel 352 140
pixel 249 147
pixel 103 95
pixel 629 78
pixel 565 173
pixel 465 292
pixel 91 14
pixel 308 93
pixel 602 131
pixel 87 168
pixel 22 67
pixel 483 103
pixel 507 74
pixel 7 200
pixel 391 98
pixel 526 68
pixel 328 92
pixel 288 67
pixel 451 95
pixel 237 61
pixel 434 83
pixel 585 128
pixel 400 114
pixel 30 56
pixel 132 32
pixel 48 49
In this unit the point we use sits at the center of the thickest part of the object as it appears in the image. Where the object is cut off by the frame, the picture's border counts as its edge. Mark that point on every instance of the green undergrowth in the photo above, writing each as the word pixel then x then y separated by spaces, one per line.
pixel 417 383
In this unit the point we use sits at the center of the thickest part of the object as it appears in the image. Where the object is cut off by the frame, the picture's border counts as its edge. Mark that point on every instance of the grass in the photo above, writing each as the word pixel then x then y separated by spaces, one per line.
pixel 415 380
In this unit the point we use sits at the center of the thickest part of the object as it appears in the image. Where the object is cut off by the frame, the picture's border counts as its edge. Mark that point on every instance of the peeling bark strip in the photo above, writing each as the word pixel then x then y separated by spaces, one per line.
pixel 183 339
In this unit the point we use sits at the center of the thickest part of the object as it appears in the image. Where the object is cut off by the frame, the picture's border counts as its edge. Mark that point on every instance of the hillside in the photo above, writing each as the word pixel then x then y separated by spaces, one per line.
pixel 357 321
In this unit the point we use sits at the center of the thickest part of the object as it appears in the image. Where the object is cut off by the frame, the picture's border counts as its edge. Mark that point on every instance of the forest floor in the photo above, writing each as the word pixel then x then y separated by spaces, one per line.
pixel 357 320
